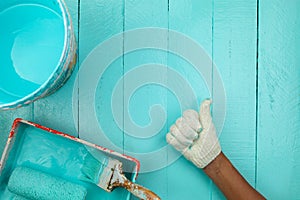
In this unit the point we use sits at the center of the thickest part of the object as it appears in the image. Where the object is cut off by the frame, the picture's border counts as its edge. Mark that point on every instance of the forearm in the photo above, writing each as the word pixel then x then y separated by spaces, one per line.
pixel 229 180
pixel 194 135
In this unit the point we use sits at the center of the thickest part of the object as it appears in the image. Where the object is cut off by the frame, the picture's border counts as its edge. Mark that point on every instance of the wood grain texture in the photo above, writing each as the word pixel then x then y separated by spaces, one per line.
pixel 141 14
pixel 234 52
pixel 193 19
pixel 278 162
pixel 99 21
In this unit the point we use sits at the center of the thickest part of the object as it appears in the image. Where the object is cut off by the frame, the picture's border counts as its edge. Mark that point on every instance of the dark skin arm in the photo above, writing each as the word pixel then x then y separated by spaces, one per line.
pixel 229 180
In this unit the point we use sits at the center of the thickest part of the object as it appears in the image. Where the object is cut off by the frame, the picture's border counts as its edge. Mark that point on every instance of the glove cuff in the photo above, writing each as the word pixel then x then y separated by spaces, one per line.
pixel 202 160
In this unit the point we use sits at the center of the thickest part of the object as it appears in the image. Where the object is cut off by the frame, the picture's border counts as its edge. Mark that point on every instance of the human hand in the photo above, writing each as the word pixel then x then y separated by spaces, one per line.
pixel 194 135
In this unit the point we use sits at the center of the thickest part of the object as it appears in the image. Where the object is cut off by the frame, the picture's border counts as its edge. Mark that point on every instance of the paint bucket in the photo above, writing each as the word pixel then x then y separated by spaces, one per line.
pixel 37 50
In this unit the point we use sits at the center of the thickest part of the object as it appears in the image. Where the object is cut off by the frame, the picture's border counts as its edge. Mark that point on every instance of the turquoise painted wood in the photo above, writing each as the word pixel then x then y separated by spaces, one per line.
pixel 140 14
pixel 262 117
pixel 99 21
pixel 194 19
pixel 278 139
pixel 234 52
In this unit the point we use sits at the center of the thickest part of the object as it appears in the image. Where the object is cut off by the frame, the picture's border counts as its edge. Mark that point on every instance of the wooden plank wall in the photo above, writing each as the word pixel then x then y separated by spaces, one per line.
pixel 140 14
pixel 254 45
pixel 234 52
pixel 193 19
pixel 278 139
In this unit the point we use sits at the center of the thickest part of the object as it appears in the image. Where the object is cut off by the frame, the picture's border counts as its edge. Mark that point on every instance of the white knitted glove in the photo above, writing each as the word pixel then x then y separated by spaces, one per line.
pixel 195 136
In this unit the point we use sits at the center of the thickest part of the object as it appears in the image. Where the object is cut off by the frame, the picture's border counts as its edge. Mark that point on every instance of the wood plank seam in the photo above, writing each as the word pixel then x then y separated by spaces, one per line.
pixel 257 85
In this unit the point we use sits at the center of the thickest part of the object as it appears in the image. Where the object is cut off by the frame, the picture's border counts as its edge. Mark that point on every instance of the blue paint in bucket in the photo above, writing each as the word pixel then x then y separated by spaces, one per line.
pixel 37 50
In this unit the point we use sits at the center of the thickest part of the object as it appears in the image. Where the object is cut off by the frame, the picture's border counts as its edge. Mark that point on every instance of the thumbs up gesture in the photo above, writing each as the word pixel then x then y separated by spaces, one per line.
pixel 194 135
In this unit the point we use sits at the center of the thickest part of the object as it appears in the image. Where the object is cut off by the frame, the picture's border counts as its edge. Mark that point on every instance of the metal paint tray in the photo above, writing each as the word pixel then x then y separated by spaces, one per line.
pixel 17 152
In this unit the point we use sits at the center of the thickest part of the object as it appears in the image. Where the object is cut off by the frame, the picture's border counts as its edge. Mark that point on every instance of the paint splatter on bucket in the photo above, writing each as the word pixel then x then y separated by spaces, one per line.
pixel 37 50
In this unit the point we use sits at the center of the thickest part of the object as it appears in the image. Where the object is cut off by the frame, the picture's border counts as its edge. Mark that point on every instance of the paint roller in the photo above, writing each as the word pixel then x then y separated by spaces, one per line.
pixel 36 185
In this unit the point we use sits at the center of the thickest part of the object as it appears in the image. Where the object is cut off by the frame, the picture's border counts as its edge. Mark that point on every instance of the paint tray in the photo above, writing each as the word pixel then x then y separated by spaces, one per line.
pixel 58 154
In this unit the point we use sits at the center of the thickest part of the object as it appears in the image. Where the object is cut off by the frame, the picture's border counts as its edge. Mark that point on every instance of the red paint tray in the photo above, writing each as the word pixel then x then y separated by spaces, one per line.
pixel 28 143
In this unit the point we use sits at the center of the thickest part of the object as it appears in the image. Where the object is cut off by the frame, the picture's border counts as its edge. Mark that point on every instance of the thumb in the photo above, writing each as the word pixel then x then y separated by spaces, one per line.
pixel 205 114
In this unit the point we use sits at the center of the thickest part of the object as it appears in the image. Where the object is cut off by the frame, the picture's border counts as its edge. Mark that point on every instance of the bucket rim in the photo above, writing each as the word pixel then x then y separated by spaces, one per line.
pixel 68 52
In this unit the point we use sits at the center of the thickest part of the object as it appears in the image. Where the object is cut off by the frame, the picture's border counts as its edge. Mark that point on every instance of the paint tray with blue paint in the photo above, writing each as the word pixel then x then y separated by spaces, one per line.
pixel 41 163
